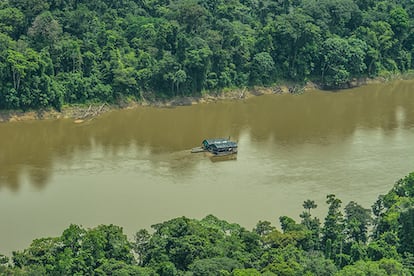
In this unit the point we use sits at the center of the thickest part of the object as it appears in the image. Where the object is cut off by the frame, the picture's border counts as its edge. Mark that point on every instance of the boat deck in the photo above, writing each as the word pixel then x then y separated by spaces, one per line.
pixel 198 149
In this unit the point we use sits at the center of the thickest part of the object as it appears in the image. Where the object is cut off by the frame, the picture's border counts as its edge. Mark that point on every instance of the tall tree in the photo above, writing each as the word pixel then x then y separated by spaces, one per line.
pixel 406 231
pixel 309 204
pixel 357 221
pixel 45 30
pixel 333 230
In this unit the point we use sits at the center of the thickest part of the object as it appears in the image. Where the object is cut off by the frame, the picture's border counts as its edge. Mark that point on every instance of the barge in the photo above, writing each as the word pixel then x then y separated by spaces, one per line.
pixel 217 146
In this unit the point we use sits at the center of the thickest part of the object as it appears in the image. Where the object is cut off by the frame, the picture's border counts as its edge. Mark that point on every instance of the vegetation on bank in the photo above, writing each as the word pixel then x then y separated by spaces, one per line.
pixel 342 245
pixel 56 52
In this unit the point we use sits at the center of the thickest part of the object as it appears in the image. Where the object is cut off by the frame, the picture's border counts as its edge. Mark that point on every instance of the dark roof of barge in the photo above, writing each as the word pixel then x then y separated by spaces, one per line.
pixel 221 143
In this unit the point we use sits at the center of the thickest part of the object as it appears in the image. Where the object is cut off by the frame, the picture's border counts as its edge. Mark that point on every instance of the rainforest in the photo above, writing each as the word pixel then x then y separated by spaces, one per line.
pixel 358 241
pixel 59 52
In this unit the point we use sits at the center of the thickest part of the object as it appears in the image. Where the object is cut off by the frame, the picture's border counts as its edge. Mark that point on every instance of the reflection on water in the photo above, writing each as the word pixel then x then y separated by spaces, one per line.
pixel 220 158
pixel 33 148
pixel 134 167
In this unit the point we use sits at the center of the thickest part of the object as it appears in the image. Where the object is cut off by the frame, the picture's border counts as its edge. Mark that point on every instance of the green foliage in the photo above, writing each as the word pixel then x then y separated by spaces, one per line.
pixel 342 59
pixel 296 42
pixel 309 204
pixel 45 30
pixel 357 221
pixel 211 246
pixel 214 266
pixel 120 268
pixel 382 267
pixel 263 228
pixel 333 229
pixel 11 21
pixel 246 272
pixel 406 231
pixel 78 251
pixel 182 241
pixel 262 69
pixel 103 51
pixel 283 261
pixel 387 208
pixel 315 263
pixel 383 247
pixel 312 225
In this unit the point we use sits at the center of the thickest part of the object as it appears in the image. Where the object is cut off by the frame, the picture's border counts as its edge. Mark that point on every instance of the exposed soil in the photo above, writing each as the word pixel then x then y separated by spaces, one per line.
pixel 81 113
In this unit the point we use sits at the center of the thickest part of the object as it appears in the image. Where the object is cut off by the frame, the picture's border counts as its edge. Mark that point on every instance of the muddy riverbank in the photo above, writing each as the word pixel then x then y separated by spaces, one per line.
pixel 81 113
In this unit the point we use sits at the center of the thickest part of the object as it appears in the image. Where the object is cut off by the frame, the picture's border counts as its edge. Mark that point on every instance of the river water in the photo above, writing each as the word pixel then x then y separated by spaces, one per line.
pixel 133 168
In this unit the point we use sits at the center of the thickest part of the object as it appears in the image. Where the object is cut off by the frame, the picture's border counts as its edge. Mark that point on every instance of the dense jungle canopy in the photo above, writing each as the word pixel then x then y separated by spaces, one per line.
pixel 351 241
pixel 56 52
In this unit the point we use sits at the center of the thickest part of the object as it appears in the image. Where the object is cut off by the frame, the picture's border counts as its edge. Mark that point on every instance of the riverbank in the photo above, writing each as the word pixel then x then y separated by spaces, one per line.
pixel 81 113
pixel 78 113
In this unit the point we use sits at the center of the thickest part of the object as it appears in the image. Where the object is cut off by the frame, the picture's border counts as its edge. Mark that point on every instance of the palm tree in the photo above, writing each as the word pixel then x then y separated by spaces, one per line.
pixel 309 204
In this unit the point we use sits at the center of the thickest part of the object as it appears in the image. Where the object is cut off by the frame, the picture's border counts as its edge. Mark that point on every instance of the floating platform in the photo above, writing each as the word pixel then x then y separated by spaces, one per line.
pixel 198 149
pixel 217 146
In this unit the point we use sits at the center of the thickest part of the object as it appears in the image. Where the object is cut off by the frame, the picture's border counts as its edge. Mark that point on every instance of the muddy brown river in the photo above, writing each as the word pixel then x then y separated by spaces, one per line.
pixel 133 168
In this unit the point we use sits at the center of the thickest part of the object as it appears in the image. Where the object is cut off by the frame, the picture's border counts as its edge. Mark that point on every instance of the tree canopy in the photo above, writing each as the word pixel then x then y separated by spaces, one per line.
pixel 210 246
pixel 63 52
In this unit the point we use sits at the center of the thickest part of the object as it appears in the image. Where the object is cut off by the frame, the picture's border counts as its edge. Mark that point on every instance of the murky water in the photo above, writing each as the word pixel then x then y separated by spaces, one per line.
pixel 133 168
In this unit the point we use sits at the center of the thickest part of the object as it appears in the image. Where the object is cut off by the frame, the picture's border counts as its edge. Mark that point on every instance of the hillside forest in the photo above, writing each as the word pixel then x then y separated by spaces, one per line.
pixel 59 52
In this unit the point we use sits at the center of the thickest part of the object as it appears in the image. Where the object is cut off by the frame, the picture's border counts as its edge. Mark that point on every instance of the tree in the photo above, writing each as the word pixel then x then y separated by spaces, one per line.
pixel 189 13
pixel 263 228
pixel 383 267
pixel 78 251
pixel 12 22
pixel 197 63
pixel 383 247
pixel 388 208
pixel 315 262
pixel 164 77
pixel 41 252
pixel 119 268
pixel 30 8
pixel 332 231
pixel 21 64
pixel 357 220
pixel 312 224
pixel 3 260
pixel 384 43
pixel 341 60
pixel 399 21
pixel 263 68
pixel 335 17
pixel 288 224
pixel 296 40
pixel 142 238
pixel 180 242
pixel 284 261
pixel 179 77
pixel 246 272
pixel 309 204
pixel 45 30
pixel 214 266
pixel 406 231
pixel 121 72
pixel 66 53
pixel 106 50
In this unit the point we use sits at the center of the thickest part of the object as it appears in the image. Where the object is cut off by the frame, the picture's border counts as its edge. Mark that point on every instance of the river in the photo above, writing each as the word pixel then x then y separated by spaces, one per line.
pixel 133 168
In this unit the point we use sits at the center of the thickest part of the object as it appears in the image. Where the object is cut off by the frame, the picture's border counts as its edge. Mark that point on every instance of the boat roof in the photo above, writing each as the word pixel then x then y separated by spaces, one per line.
pixel 220 143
